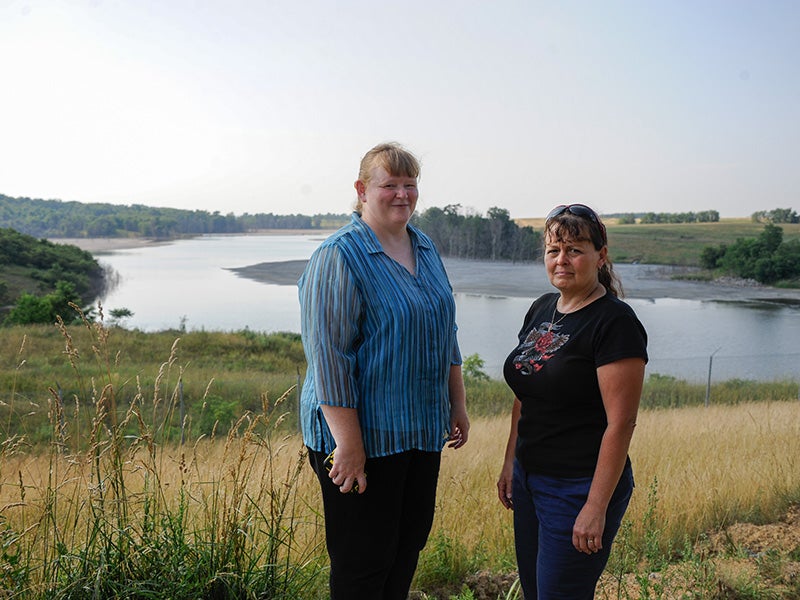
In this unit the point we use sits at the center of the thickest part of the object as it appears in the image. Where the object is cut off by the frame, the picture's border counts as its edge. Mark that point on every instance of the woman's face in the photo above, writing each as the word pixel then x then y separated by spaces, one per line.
pixel 387 200
pixel 572 265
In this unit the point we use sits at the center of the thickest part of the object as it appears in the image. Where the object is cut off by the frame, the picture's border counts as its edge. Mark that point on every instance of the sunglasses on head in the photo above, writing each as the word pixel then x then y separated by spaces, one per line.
pixel 579 210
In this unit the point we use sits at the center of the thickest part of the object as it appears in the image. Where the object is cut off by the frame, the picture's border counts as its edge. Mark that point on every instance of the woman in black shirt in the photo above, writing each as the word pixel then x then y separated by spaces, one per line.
pixel 577 375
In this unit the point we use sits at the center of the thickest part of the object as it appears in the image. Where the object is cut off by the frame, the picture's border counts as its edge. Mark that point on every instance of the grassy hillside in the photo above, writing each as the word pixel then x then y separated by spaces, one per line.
pixel 675 244
pixel 219 375
pixel 35 266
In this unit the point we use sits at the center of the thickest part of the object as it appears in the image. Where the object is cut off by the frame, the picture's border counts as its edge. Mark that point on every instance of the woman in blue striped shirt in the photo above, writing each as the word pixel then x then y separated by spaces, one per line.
pixel 383 385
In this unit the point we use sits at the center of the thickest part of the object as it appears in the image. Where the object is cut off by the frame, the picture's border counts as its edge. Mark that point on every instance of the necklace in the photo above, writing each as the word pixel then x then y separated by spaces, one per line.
pixel 577 307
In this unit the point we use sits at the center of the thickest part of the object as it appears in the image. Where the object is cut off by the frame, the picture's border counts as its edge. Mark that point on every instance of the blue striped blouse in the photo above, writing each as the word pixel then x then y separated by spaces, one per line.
pixel 378 339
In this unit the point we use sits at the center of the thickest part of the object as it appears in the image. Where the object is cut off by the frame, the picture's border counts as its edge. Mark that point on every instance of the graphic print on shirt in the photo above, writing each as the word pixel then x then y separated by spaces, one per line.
pixel 538 348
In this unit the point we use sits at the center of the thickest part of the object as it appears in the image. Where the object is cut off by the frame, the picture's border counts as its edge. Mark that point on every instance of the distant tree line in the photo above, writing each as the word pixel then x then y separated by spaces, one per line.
pixel 767 258
pixel 705 216
pixel 776 215
pixel 456 232
pixel 41 278
pixel 470 235
pixel 271 221
pixel 56 219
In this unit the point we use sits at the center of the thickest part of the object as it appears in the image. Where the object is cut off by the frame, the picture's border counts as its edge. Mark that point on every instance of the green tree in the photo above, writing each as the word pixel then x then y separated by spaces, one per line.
pixel 217 416
pixel 771 237
pixel 499 225
pixel 766 259
pixel 708 216
pixel 784 215
pixel 464 234
pixel 45 309
pixel 472 367
pixel 104 226
pixel 776 215
pixel 710 256
pixel 29 309
pixel 118 315
pixel 787 259
pixel 54 218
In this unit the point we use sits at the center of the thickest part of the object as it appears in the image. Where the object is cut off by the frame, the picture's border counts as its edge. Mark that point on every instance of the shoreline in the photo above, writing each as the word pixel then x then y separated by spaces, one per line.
pixel 528 280
pixel 487 278
pixel 101 245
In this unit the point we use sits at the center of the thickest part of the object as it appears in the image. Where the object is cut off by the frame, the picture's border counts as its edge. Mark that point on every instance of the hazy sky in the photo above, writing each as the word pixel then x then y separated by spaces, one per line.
pixel 268 105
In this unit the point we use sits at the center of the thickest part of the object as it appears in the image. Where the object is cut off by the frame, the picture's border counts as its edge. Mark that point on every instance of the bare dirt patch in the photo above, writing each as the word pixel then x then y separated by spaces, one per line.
pixel 783 536
pixel 743 560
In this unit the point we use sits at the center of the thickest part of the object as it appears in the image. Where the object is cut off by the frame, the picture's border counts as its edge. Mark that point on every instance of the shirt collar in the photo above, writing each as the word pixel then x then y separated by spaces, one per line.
pixel 371 242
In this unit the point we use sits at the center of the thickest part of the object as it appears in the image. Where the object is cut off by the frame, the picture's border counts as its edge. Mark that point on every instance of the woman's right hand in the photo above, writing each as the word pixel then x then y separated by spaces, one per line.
pixel 348 468
pixel 349 458
pixel 504 485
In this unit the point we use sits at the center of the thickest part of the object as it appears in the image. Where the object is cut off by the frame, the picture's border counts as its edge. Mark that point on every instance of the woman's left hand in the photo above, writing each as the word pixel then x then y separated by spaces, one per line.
pixel 587 533
pixel 621 387
pixel 459 422
pixel 459 427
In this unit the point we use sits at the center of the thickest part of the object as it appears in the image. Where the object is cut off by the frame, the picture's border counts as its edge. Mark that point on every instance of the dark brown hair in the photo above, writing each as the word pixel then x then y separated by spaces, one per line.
pixel 570 226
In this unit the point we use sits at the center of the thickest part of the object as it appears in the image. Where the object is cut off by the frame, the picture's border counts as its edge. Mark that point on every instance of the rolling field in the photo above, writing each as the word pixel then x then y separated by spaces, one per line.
pixel 674 244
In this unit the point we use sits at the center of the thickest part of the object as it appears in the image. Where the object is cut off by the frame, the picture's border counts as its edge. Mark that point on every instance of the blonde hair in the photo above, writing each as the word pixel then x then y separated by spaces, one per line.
pixel 397 161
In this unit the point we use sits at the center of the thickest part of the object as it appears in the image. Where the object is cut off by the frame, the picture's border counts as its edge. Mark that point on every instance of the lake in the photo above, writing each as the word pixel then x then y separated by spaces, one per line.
pixel 187 283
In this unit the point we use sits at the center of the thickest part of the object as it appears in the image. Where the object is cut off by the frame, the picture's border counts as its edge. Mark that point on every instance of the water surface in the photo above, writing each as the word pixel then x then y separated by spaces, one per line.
pixel 188 284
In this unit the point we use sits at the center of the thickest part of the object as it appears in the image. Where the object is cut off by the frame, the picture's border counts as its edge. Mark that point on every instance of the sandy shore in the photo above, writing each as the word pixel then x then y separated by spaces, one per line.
pixel 530 280
pixel 100 245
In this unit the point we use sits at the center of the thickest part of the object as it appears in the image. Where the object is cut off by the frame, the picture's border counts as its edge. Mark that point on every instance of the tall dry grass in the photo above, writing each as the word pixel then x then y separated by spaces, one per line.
pixel 118 508
pixel 710 466
pixel 235 517
pixel 697 470
pixel 717 465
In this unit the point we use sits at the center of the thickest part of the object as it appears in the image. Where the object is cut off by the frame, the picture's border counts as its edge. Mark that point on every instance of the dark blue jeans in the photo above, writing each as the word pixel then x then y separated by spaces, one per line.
pixel 374 539
pixel 545 509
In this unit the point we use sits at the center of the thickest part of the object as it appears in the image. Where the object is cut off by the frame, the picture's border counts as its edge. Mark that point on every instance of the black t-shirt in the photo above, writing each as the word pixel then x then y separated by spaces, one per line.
pixel 553 372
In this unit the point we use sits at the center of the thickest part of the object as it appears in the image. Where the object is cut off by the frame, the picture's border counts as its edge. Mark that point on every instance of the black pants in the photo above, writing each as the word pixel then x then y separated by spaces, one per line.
pixel 374 539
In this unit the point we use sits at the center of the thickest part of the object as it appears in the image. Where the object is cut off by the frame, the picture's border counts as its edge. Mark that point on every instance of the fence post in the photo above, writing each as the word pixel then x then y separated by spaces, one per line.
pixel 708 383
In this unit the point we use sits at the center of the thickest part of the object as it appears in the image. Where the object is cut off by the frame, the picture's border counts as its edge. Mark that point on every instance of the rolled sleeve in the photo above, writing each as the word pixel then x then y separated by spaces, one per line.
pixel 330 308
pixel 455 358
